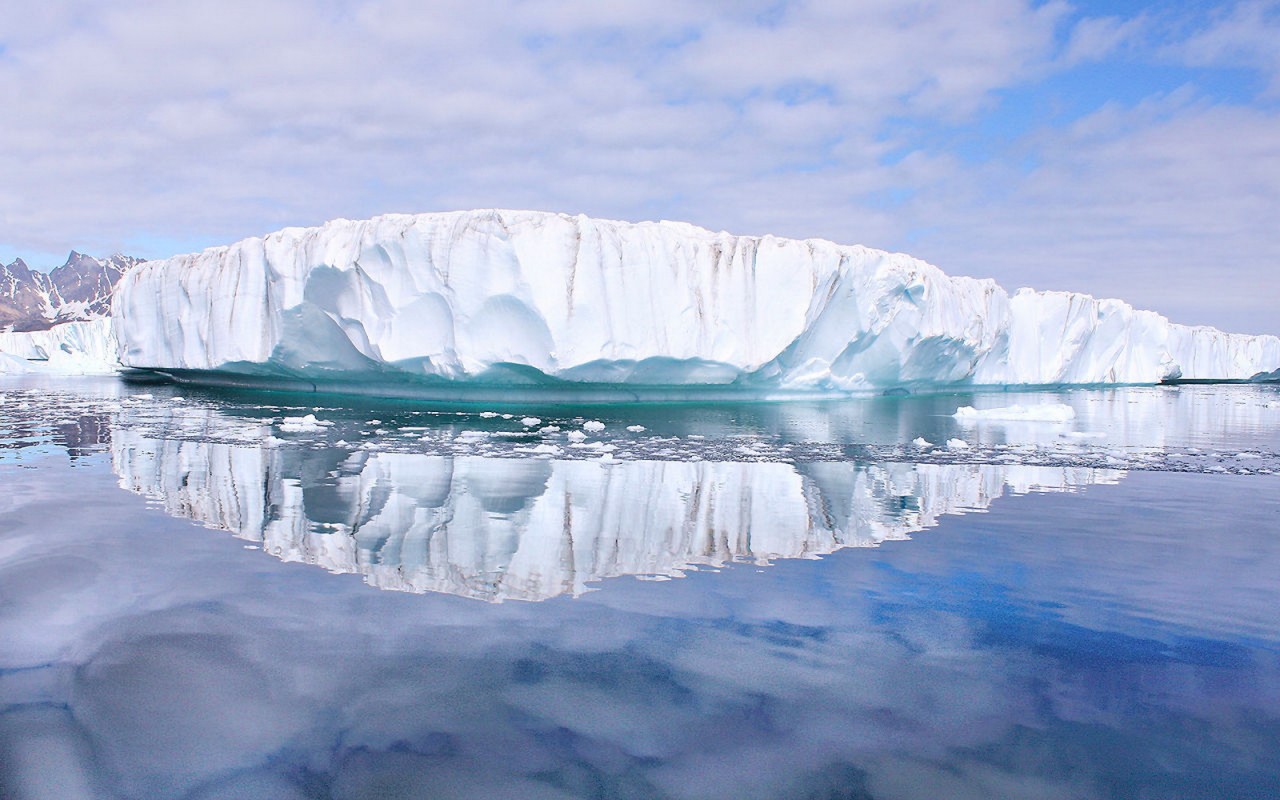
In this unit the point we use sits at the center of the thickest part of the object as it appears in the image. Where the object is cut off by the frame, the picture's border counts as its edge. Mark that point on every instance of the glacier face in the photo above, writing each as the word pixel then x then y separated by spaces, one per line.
pixel 70 348
pixel 553 301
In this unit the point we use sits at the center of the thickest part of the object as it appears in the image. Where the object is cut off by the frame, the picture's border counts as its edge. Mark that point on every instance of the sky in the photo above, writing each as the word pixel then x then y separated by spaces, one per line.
pixel 1124 149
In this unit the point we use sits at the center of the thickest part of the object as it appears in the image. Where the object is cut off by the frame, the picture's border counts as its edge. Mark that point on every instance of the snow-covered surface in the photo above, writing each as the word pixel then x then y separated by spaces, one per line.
pixel 71 348
pixel 518 296
pixel 1047 412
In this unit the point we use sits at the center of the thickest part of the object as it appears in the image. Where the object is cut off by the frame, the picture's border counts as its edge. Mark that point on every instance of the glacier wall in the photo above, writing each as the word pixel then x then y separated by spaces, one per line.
pixel 70 348
pixel 538 298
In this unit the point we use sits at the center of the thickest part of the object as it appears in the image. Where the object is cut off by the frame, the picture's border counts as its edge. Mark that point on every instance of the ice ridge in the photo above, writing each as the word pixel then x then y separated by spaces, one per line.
pixel 552 301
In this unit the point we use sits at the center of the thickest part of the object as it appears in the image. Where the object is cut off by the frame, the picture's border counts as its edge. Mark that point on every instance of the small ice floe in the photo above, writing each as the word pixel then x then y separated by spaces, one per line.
pixel 341 443
pixel 249 546
pixel 1247 455
pixel 142 396
pixel 957 444
pixel 541 450
pixel 599 446
pixel 576 436
pixel 374 422
pixel 1049 412
pixel 636 428
pixel 549 429
pixel 507 416
pixel 470 437
pixel 305 424
pixel 177 399
pixel 593 426
pixel 607 458
pixel 488 414
pixel 530 422
pixel 922 443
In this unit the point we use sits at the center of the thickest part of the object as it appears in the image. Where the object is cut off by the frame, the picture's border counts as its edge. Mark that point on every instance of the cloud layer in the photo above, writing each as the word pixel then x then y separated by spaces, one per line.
pixel 1134 155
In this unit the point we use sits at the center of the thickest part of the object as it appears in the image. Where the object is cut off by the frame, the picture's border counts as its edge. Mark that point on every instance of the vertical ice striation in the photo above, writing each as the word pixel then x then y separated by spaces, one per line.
pixel 519 296
pixel 70 348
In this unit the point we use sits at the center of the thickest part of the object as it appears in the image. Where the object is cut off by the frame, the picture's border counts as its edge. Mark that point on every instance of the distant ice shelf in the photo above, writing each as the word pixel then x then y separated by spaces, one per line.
pixel 70 348
pixel 456 304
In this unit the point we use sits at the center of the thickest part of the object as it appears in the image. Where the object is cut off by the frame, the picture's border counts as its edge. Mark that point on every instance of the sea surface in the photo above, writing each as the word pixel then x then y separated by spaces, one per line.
pixel 217 595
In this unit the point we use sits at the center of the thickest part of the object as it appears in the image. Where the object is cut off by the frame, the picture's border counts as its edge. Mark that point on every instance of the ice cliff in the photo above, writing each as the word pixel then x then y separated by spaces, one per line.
pixel 69 348
pixel 515 297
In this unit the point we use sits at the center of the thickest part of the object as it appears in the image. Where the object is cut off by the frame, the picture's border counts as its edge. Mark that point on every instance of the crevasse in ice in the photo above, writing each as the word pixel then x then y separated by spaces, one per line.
pixel 483 297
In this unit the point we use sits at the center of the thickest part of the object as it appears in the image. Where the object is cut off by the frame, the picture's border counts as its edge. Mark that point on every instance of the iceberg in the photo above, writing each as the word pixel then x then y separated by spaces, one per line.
pixel 69 348
pixel 455 304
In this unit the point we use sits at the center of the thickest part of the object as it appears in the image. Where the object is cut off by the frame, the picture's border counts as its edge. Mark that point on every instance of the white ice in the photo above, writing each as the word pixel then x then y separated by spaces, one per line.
pixel 1048 412
pixel 511 296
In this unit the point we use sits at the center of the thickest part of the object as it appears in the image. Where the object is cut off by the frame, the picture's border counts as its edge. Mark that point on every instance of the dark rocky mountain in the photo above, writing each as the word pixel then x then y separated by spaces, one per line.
pixel 79 289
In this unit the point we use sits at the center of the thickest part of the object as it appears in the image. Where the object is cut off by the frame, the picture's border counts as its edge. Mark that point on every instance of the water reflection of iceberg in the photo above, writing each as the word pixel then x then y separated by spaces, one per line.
pixel 532 529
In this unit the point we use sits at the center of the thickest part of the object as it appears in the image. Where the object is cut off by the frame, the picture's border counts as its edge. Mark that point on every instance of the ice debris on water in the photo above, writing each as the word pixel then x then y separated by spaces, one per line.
pixel 530 422
pixel 635 428
pixel 593 426
pixel 304 424
pixel 1049 412
pixel 922 442
pixel 957 444
pixel 576 436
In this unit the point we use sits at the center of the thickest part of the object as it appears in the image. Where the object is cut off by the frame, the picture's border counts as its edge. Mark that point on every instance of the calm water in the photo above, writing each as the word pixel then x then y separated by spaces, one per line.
pixel 213 596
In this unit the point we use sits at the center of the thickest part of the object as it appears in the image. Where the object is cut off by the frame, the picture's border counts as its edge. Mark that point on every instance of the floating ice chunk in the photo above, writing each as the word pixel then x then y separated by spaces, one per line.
pixel 355 299
pixel 922 442
pixel 488 414
pixel 593 426
pixel 576 436
pixel 1049 412
pixel 636 428
pixel 957 444
pixel 542 450
pixel 530 422
pixel 304 424
pixel 549 429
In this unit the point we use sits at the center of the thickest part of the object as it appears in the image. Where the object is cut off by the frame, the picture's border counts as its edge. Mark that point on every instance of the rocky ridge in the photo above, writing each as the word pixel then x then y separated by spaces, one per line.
pixel 79 289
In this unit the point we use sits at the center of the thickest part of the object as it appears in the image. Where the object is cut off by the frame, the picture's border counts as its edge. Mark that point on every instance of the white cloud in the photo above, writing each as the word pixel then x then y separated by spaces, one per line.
pixel 1245 35
pixel 1170 205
